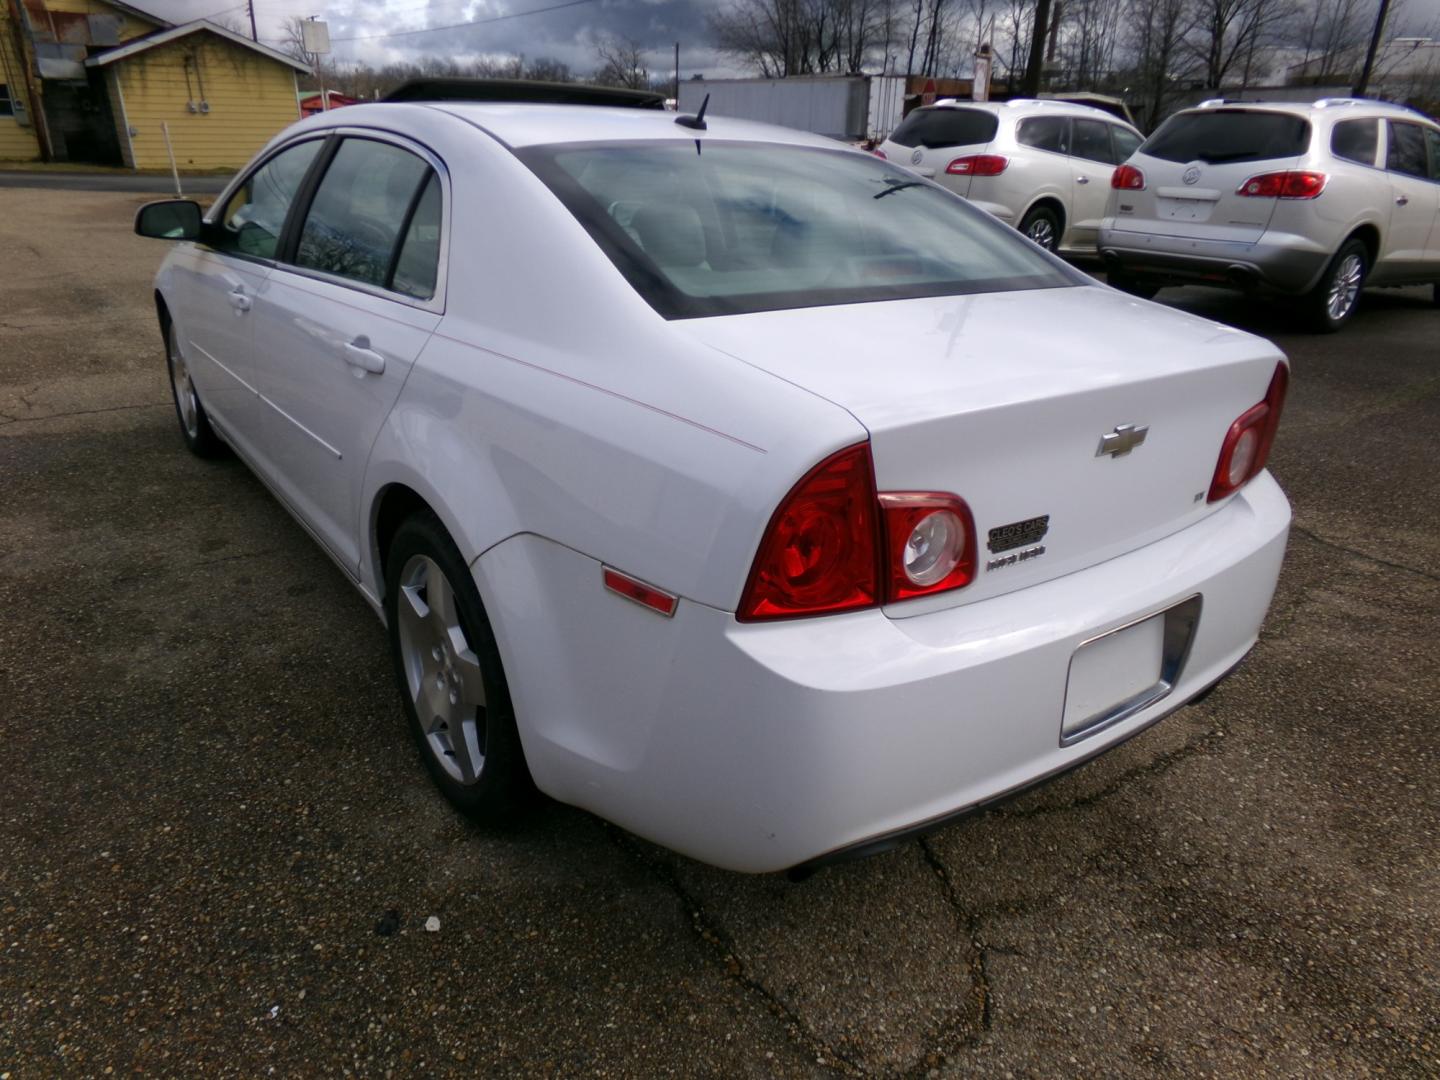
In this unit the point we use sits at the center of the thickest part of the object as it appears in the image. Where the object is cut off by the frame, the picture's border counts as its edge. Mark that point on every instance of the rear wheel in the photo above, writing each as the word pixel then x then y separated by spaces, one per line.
pixel 1333 301
pixel 195 426
pixel 1042 225
pixel 450 675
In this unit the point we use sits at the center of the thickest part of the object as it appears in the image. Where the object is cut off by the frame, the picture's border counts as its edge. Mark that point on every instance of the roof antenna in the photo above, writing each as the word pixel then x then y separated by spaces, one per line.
pixel 698 120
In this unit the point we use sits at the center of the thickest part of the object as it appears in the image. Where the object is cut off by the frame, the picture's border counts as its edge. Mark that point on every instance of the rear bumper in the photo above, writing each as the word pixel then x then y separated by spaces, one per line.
pixel 761 747
pixel 1284 262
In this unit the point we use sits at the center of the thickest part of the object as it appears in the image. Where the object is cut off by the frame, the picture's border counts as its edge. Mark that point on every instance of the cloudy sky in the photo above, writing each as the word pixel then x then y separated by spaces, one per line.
pixel 377 31
pixel 384 30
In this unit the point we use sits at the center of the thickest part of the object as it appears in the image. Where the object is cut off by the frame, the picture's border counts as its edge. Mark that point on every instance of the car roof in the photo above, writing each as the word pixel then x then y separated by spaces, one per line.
pixel 1339 108
pixel 1029 107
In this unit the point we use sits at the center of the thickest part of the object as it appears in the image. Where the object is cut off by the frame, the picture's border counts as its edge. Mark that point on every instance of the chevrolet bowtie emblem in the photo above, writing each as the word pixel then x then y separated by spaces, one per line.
pixel 1122 440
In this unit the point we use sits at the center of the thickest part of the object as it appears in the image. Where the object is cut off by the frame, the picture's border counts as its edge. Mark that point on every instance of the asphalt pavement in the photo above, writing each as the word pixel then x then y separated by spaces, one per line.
pixel 219 852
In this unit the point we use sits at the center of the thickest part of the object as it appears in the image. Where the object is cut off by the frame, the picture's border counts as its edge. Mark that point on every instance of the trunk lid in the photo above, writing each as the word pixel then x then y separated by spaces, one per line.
pixel 1003 399
pixel 932 137
pixel 1195 164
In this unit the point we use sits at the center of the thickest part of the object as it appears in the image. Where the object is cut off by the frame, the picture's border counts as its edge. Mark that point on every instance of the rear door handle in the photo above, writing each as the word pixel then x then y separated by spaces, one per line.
pixel 358 354
pixel 1402 200
pixel 1082 179
pixel 238 300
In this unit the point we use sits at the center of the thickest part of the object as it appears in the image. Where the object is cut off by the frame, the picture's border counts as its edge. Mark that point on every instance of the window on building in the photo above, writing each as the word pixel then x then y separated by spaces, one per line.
pixel 7 107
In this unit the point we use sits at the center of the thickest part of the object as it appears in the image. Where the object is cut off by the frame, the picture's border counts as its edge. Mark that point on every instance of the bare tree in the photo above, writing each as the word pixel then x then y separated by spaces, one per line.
pixel 1230 34
pixel 776 38
pixel 621 62
pixel 1156 42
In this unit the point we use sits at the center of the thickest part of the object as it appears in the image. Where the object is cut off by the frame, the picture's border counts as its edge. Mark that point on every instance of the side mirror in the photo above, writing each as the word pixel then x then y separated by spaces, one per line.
pixel 173 219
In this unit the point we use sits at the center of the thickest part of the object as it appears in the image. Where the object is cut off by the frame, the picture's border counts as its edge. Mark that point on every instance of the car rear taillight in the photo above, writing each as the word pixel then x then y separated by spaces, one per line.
pixel 1247 443
pixel 835 545
pixel 1283 185
pixel 1128 178
pixel 978 165
pixel 930 543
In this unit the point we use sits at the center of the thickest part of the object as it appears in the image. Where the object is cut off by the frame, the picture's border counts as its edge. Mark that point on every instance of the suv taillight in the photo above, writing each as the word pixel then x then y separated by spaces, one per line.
pixel 834 544
pixel 1127 178
pixel 1283 185
pixel 1247 443
pixel 978 165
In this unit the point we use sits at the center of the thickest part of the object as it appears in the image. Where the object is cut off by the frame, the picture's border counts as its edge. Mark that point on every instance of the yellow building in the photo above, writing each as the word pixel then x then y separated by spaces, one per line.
pixel 102 82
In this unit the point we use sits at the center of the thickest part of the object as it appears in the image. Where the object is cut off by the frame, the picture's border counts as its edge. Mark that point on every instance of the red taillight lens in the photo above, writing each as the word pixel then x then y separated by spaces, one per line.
pixel 819 552
pixel 835 545
pixel 978 165
pixel 1247 444
pixel 1283 185
pixel 880 154
pixel 930 543
pixel 1127 178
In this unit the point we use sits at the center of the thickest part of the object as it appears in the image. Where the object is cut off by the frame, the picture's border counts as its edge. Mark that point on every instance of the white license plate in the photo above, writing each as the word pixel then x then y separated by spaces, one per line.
pixel 1186 209
pixel 1111 672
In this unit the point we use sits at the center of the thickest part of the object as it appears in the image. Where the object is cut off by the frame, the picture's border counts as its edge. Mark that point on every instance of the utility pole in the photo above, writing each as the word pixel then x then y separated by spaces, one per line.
pixel 254 33
pixel 1030 85
pixel 1365 72
pixel 677 75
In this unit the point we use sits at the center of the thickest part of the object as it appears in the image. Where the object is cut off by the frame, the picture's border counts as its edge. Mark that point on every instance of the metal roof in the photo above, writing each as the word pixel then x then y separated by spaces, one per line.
pixel 164 37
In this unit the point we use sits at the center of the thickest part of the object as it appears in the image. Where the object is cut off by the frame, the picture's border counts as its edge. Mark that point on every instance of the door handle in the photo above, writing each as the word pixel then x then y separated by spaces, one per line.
pixel 1402 200
pixel 358 354
pixel 238 300
pixel 1082 179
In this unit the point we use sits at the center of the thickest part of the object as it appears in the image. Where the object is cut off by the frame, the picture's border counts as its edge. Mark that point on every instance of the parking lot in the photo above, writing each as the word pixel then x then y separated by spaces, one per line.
pixel 219 852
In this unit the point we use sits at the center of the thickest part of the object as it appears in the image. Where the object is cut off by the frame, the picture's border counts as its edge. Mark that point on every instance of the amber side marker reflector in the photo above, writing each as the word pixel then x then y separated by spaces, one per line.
pixel 648 596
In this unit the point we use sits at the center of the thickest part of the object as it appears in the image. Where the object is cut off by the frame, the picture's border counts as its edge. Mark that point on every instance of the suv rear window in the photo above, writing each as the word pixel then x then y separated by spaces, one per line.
pixel 1217 136
pixel 946 127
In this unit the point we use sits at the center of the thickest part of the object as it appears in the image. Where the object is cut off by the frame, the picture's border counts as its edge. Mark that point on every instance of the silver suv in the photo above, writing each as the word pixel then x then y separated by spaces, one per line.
pixel 1313 200
pixel 1041 166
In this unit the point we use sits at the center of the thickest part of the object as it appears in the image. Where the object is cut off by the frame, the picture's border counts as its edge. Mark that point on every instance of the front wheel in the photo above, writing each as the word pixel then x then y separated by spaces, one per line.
pixel 1042 225
pixel 450 675
pixel 195 426
pixel 1333 301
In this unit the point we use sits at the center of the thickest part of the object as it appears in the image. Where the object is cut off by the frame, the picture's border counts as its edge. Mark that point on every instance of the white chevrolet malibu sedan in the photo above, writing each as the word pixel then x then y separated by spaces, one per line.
pixel 741 488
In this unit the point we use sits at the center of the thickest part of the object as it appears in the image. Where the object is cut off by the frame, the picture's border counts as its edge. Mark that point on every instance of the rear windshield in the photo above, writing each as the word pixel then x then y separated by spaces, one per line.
pixel 946 127
pixel 1220 135
pixel 726 228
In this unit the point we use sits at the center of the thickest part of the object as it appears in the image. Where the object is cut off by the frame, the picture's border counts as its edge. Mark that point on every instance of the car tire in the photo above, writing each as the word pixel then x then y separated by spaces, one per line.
pixel 1042 225
pixel 1145 290
pixel 1333 301
pixel 450 676
pixel 195 426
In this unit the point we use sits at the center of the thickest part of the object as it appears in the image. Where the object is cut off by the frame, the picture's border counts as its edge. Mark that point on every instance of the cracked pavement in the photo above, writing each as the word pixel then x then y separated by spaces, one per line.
pixel 210 804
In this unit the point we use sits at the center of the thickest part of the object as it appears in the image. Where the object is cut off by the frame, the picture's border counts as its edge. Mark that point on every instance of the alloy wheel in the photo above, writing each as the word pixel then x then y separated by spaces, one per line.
pixel 1344 287
pixel 185 397
pixel 1042 232
pixel 442 672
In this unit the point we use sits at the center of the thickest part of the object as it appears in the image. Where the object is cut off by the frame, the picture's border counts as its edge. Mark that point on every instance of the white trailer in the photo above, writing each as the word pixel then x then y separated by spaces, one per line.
pixel 848 107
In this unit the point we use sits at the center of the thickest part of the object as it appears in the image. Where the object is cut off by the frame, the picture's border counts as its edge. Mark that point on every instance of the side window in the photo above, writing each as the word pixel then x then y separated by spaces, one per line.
pixel 1126 142
pixel 256 212
pixel 1355 140
pixel 359 210
pixel 416 267
pixel 1407 150
pixel 1045 133
pixel 1092 141
pixel 1432 140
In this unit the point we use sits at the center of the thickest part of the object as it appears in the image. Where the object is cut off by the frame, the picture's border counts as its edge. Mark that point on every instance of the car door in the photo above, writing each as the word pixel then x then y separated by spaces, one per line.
pixel 217 282
pixel 1415 201
pixel 1092 161
pixel 340 321
pixel 1432 249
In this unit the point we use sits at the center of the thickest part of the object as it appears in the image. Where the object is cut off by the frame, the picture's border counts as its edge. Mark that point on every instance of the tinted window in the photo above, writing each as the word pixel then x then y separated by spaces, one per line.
pixel 1045 133
pixel 1092 141
pixel 415 269
pixel 256 212
pixel 1126 143
pixel 1432 140
pixel 359 209
pixel 1355 140
pixel 1220 135
pixel 757 227
pixel 1407 150
pixel 946 127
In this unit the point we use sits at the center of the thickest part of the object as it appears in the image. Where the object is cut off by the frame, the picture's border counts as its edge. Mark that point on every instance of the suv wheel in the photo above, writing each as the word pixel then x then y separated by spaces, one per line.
pixel 1333 301
pixel 450 675
pixel 1042 225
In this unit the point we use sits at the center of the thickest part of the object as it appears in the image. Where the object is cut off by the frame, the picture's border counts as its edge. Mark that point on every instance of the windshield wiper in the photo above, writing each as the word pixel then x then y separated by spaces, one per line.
pixel 900 185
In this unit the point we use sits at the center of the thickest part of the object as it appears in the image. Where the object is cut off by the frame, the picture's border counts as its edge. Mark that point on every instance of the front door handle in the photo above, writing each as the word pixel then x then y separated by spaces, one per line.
pixel 1082 179
pixel 1402 200
pixel 238 300
pixel 358 354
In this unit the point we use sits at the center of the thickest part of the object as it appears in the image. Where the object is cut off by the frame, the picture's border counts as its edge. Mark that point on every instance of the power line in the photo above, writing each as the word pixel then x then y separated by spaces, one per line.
pixel 458 26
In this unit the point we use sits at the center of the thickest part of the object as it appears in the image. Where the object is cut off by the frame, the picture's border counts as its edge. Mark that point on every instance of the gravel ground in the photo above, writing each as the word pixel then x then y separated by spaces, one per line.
pixel 218 852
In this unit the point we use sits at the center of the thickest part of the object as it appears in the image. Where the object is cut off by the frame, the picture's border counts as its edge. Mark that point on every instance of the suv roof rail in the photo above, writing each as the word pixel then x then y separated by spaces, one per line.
pixel 1374 103
pixel 529 91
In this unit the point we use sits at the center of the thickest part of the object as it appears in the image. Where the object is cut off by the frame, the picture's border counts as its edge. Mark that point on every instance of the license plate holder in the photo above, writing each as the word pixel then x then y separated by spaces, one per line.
pixel 1127 669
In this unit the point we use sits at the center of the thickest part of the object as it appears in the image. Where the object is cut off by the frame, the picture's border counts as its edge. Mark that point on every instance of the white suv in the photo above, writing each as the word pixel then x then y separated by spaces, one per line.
pixel 1314 200
pixel 1042 166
